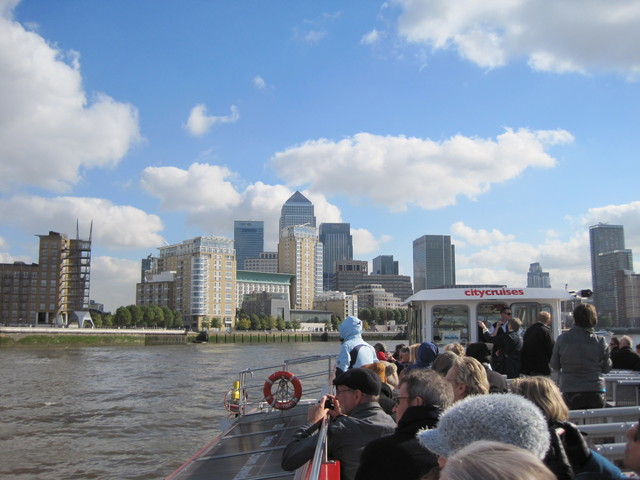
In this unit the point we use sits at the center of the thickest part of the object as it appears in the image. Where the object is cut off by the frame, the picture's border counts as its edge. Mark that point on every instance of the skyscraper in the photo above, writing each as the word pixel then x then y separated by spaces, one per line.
pixel 434 262
pixel 536 278
pixel 298 210
pixel 300 253
pixel 607 256
pixel 337 245
pixel 384 265
pixel 248 240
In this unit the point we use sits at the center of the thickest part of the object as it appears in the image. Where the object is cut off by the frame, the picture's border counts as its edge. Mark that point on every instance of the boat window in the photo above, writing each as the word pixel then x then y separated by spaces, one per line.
pixel 489 313
pixel 527 312
pixel 450 324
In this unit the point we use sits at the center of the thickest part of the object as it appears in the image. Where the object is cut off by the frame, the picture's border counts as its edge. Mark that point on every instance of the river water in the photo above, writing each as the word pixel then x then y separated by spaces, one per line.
pixel 119 412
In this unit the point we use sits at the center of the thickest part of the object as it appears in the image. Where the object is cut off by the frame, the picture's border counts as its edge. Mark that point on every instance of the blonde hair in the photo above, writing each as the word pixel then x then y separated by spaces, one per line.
pixel 413 352
pixel 391 372
pixel 456 348
pixel 379 369
pixel 543 317
pixel 544 393
pixel 494 460
pixel 471 372
pixel 625 341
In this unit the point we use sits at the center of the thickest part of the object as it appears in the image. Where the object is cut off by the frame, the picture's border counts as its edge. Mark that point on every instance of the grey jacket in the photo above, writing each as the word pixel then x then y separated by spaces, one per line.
pixel 347 437
pixel 582 358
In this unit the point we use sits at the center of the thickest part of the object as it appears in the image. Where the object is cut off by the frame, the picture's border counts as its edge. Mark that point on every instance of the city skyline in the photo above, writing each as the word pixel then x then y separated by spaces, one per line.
pixel 509 133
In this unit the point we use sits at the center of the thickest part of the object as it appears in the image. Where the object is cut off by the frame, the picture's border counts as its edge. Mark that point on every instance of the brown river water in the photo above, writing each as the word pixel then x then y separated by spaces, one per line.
pixel 119 412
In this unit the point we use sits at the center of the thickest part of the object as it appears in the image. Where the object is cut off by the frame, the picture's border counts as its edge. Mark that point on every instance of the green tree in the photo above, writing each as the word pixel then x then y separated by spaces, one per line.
pixel 243 323
pixel 107 320
pixel 97 318
pixel 122 317
pixel 136 314
pixel 159 316
pixel 288 325
pixel 280 323
pixel 177 319
pixel 216 322
pixel 168 316
pixel 269 322
pixel 335 322
pixel 143 321
pixel 206 323
pixel 364 314
pixel 150 316
pixel 255 322
pixel 295 324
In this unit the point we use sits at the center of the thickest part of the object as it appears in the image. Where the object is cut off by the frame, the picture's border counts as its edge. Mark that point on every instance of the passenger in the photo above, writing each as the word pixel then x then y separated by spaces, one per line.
pixel 545 394
pixel 456 348
pixel 467 377
pixel 423 396
pixel 506 418
pixel 508 348
pixel 381 351
pixel 614 344
pixel 624 358
pixel 356 420
pixel 497 381
pixel 495 461
pixel 391 372
pixel 404 359
pixel 385 399
pixel 582 358
pixel 395 358
pixel 537 346
pixel 426 354
pixel 354 351
pixel 444 362
pixel 498 328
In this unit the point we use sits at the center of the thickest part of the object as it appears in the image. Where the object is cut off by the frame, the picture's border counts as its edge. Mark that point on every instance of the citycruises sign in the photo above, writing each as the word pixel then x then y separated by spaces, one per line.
pixel 486 293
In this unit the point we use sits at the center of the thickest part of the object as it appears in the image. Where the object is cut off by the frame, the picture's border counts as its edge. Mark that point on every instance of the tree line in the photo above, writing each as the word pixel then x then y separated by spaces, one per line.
pixel 139 316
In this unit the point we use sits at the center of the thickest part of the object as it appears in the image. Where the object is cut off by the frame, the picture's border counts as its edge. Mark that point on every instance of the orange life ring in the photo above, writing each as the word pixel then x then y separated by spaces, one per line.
pixel 283 398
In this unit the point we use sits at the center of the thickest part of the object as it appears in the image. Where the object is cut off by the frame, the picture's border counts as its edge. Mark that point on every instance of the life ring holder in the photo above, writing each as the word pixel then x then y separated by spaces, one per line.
pixel 282 399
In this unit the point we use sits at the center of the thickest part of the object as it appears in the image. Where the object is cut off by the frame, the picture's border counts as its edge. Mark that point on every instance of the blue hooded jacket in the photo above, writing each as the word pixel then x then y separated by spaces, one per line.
pixel 351 335
pixel 426 354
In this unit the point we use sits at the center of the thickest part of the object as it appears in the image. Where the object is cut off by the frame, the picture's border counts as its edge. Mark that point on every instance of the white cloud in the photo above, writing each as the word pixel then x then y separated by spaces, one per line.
pixel 259 82
pixel 627 215
pixel 401 171
pixel 558 36
pixel 199 122
pixel 113 281
pixel 49 131
pixel 479 237
pixel 213 202
pixel 364 242
pixel 114 226
pixel 370 38
pixel 314 37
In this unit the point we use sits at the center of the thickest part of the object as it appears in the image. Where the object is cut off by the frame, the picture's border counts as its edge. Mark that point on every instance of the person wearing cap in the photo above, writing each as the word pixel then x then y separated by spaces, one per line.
pixel 354 351
pixel 505 418
pixel 424 395
pixel 356 419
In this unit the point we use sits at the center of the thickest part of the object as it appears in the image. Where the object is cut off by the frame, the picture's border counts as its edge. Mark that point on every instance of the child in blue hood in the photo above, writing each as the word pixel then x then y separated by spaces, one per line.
pixel 353 345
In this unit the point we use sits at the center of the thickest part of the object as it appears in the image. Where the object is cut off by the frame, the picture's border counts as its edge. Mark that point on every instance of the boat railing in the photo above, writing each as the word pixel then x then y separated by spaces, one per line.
pixel 314 373
pixel 320 467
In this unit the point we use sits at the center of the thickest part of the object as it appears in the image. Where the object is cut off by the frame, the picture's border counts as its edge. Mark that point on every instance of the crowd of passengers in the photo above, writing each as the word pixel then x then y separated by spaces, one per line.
pixel 424 414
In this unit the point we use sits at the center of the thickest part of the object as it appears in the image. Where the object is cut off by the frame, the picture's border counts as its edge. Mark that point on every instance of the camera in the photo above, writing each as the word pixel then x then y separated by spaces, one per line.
pixel 328 403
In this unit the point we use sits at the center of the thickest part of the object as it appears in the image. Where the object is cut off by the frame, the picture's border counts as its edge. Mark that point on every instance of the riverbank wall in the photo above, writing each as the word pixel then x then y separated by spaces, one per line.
pixel 30 336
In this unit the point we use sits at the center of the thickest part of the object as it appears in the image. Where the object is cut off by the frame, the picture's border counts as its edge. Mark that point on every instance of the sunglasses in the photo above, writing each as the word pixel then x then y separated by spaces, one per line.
pixel 396 400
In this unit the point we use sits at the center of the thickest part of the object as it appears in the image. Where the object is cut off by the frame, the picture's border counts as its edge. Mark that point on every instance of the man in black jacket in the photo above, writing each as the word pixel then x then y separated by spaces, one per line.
pixel 423 395
pixel 537 347
pixel 508 347
pixel 624 358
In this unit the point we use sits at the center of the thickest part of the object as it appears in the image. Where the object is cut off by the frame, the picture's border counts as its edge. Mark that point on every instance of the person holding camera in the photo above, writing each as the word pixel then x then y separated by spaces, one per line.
pixel 356 419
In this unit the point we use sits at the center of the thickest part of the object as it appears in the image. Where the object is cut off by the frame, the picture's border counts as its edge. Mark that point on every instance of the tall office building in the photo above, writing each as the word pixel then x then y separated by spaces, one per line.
pixel 205 278
pixel 300 254
pixel 54 291
pixel 337 245
pixel 385 265
pixel 434 262
pixel 148 266
pixel 298 210
pixel 248 239
pixel 627 286
pixel 536 278
pixel 607 256
pixel 267 262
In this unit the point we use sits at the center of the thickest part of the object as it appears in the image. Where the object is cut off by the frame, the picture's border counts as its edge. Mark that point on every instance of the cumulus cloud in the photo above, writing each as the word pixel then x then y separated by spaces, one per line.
pixel 478 237
pixel 560 36
pixel 627 215
pixel 114 226
pixel 113 281
pixel 200 123
pixel 259 82
pixel 211 200
pixel 370 38
pixel 401 171
pixel 49 131
pixel 364 242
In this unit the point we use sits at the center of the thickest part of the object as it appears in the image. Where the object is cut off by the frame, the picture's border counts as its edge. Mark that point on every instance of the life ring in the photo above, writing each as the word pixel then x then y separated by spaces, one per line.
pixel 283 398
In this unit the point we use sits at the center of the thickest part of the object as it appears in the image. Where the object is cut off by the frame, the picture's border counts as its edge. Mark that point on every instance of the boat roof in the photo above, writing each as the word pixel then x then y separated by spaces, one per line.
pixel 488 293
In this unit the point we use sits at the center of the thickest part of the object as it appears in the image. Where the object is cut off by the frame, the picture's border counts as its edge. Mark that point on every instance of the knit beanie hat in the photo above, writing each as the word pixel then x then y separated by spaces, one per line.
pixel 505 418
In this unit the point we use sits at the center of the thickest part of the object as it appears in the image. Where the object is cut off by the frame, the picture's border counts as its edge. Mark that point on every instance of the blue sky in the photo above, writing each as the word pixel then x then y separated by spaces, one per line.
pixel 511 127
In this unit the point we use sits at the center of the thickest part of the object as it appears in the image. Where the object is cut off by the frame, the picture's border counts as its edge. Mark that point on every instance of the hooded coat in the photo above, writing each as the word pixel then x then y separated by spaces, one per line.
pixel 426 354
pixel 351 335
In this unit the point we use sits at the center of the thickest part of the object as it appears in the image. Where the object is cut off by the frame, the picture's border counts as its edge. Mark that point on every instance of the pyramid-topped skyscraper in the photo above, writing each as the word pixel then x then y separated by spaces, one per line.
pixel 298 210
